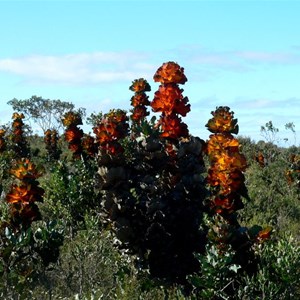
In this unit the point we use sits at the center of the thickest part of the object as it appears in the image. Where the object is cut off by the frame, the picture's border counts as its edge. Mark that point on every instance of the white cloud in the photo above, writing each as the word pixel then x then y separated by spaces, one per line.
pixel 106 67
pixel 248 104
pixel 240 61
pixel 269 57
pixel 258 104
pixel 82 68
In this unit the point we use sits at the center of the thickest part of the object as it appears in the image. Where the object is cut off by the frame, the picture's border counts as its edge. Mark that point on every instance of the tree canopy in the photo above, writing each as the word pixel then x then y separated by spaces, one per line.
pixel 46 113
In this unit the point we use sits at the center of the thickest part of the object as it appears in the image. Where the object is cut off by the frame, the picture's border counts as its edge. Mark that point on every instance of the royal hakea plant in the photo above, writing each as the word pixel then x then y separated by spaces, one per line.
pixel 51 142
pixel 227 189
pixel 260 159
pixel 139 101
pixel 73 134
pixel 113 127
pixel 24 194
pixel 89 146
pixel 151 182
pixel 82 145
pixel 227 164
pixel 293 173
pixel 2 140
pixel 169 101
pixel 26 249
pixel 19 144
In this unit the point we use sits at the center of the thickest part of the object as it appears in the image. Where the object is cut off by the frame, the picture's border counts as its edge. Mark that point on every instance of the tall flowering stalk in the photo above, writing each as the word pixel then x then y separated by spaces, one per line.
pixel 170 102
pixel 227 187
pixel 227 164
pixel 24 194
pixel 51 142
pixel 89 146
pixel 110 130
pixel 2 140
pixel 293 173
pixel 20 145
pixel 25 247
pixel 140 100
pixel 73 134
pixel 260 159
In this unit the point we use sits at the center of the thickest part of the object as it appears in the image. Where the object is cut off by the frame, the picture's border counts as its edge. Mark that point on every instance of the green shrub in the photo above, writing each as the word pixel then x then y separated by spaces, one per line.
pixel 277 276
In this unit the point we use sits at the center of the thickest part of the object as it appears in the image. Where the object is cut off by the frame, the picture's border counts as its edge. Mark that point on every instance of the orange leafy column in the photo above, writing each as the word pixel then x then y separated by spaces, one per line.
pixel 112 127
pixel 293 173
pixel 227 164
pixel 73 134
pixel 2 141
pixel 260 159
pixel 51 140
pixel 24 194
pixel 89 145
pixel 227 187
pixel 140 100
pixel 170 102
pixel 20 145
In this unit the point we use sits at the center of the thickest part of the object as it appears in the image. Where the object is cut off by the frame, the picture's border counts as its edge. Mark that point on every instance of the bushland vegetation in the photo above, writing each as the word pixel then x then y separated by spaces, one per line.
pixel 141 209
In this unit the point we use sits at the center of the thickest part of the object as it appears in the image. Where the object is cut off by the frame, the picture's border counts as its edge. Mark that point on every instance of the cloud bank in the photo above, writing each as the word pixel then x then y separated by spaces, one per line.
pixel 107 67
pixel 82 68
pixel 240 61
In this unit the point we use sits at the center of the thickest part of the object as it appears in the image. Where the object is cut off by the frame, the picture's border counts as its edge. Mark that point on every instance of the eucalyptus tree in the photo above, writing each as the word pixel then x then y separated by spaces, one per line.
pixel 46 113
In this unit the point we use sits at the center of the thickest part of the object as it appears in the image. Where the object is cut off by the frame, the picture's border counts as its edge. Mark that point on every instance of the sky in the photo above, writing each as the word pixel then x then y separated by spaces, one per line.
pixel 241 54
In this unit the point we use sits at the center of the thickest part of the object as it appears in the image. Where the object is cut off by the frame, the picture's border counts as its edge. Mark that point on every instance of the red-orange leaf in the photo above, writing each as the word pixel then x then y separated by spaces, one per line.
pixel 170 72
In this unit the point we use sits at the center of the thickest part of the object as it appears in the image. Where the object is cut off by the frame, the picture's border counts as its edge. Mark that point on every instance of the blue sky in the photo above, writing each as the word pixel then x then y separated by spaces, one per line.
pixel 242 54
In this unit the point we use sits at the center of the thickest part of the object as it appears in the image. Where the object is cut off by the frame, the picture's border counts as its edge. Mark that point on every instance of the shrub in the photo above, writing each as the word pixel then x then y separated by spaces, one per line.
pixel 150 178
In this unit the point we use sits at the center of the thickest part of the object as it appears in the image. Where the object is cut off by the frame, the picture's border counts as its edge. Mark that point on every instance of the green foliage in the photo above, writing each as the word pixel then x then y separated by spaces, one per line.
pixel 269 132
pixel 273 200
pixel 94 118
pixel 70 192
pixel 5 165
pixel 48 237
pixel 218 276
pixel 88 262
pixel 25 254
pixel 277 276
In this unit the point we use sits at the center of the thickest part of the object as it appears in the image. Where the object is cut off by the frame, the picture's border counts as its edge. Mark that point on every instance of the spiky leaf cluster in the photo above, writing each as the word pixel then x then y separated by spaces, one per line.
pixel 24 193
pixel 170 102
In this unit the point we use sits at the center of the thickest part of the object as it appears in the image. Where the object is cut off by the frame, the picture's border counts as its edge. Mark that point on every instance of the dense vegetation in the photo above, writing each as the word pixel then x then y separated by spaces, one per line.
pixel 143 210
